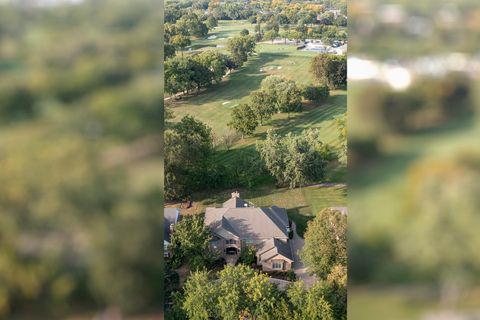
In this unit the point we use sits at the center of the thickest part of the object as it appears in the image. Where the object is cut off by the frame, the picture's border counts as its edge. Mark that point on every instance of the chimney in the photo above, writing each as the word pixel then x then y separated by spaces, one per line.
pixel 235 194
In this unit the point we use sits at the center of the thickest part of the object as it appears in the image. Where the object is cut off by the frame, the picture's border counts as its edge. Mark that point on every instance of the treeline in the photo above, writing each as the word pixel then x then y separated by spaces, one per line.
pixel 195 72
pixel 190 164
pixel 288 21
pixel 290 13
pixel 292 160
pixel 276 95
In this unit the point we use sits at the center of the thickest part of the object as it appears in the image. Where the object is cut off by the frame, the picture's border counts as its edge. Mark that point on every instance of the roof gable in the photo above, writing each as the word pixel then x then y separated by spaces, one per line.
pixel 248 222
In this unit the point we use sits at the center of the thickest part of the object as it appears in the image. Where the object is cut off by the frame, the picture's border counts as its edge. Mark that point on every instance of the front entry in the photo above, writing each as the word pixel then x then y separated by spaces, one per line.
pixel 231 251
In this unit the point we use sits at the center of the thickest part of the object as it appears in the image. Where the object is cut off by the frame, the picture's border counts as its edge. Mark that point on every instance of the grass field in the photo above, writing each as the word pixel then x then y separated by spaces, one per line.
pixel 226 29
pixel 214 106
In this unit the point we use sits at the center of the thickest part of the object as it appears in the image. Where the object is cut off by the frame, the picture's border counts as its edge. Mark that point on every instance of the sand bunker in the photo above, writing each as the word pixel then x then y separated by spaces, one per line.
pixel 212 37
pixel 226 102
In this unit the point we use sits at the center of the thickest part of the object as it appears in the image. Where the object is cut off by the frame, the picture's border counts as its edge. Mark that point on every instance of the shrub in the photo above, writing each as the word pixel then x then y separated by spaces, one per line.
pixel 247 255
pixel 291 275
pixel 316 93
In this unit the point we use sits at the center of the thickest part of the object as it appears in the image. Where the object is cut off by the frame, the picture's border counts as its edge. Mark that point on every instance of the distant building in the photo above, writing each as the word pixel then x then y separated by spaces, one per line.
pixel 237 224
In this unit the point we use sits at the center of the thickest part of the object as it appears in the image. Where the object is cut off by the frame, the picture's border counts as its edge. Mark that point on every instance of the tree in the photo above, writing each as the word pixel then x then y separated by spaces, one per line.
pixel 215 62
pixel 325 242
pixel 297 36
pixel 262 104
pixel 244 32
pixel 330 69
pixel 169 51
pixel 243 120
pixel 309 303
pixel 247 255
pixel 180 42
pixel 178 73
pixel 317 94
pixel 284 34
pixel 198 297
pixel 211 22
pixel 285 94
pixel 242 290
pixel 237 292
pixel 188 146
pixel 270 35
pixel 241 47
pixel 190 241
pixel 294 160
pixel 341 123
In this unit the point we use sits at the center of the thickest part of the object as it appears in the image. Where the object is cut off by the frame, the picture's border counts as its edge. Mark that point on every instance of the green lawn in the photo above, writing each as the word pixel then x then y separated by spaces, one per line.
pixel 214 106
pixel 226 29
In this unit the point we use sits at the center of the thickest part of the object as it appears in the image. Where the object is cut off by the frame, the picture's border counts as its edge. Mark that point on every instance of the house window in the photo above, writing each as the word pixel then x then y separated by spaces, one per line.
pixel 231 241
pixel 214 243
pixel 277 265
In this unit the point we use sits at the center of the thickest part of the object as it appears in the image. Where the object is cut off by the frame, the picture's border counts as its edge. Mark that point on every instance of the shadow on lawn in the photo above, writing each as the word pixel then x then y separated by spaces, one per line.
pixel 238 85
pixel 301 221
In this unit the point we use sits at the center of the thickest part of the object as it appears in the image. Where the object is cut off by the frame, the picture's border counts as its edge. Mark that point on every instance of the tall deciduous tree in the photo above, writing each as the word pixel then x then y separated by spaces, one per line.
pixel 294 160
pixel 311 303
pixel 284 94
pixel 262 104
pixel 243 120
pixel 241 47
pixel 180 42
pixel 330 69
pixel 198 297
pixel 211 22
pixel 326 242
pixel 188 146
pixel 214 61
pixel 190 241
pixel 270 35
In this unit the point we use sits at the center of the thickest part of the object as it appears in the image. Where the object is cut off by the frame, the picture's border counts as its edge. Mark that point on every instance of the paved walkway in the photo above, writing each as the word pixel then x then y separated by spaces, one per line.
pixel 296 244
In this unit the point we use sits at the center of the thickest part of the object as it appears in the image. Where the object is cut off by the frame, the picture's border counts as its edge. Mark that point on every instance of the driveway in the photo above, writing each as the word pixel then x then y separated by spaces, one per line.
pixel 300 270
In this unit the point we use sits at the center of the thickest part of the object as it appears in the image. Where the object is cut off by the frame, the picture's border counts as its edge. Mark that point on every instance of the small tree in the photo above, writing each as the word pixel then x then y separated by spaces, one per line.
pixel 211 22
pixel 240 48
pixel 284 94
pixel 243 120
pixel 244 32
pixel 262 104
pixel 317 94
pixel 270 35
pixel 180 42
pixel 248 255
pixel 341 123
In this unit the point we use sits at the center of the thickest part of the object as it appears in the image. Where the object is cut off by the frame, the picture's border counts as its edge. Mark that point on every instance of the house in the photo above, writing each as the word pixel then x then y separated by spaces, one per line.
pixel 238 224
pixel 170 218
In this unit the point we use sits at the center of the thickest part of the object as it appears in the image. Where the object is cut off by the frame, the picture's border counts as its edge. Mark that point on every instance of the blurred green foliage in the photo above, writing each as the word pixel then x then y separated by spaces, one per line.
pixel 81 113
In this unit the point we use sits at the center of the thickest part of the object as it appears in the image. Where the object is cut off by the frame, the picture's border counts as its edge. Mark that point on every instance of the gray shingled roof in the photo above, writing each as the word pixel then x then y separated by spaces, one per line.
pixel 273 247
pixel 248 222
pixel 235 203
